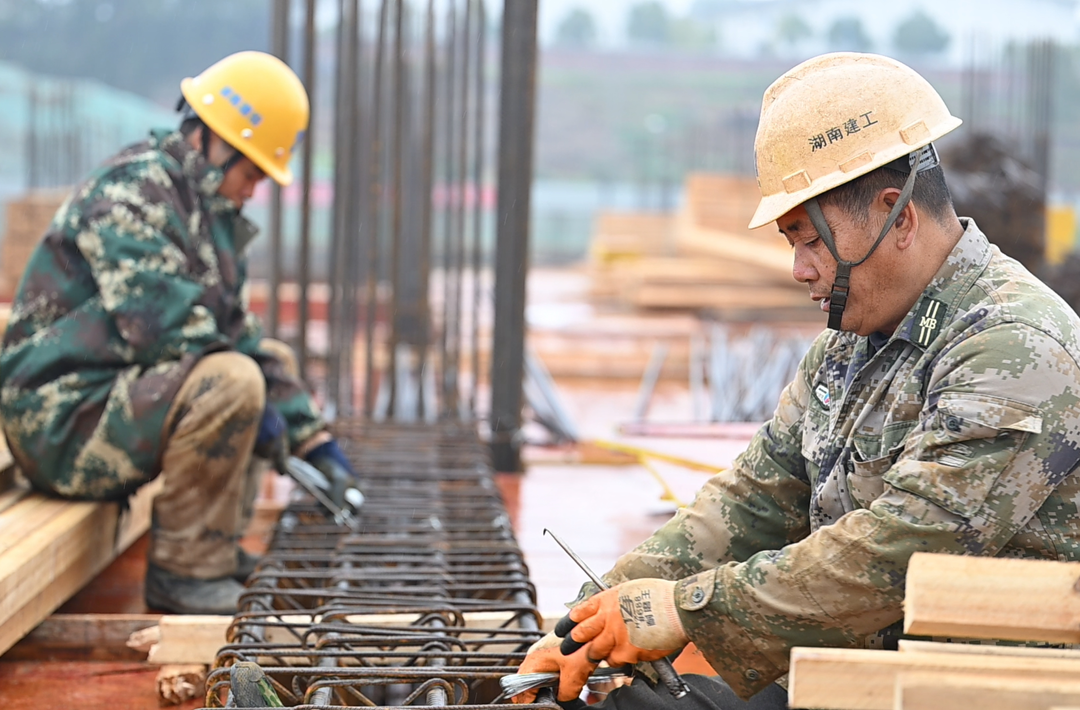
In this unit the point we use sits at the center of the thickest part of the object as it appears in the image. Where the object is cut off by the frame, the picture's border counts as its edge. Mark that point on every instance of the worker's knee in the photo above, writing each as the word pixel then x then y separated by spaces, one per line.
pixel 225 384
pixel 282 353
pixel 235 375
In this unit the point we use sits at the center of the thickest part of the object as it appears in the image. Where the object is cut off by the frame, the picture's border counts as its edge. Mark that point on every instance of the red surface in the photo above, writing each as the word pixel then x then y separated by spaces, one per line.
pixel 85 686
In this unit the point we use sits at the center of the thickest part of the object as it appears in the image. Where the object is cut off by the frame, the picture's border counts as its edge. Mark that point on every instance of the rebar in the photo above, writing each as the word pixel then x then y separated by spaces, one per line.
pixel 428 603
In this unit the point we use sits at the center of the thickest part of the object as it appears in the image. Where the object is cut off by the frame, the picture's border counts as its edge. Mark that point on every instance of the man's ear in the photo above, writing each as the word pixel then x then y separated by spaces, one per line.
pixel 906 225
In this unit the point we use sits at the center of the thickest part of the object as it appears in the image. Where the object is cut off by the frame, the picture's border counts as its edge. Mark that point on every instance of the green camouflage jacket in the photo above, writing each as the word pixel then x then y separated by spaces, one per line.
pixel 139 275
pixel 959 434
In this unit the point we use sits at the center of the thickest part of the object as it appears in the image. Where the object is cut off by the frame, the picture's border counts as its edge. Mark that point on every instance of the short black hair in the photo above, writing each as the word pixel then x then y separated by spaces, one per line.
pixel 930 193
pixel 190 125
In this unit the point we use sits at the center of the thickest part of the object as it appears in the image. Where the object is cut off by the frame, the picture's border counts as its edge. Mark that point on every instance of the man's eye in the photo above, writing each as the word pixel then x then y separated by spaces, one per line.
pixel 812 242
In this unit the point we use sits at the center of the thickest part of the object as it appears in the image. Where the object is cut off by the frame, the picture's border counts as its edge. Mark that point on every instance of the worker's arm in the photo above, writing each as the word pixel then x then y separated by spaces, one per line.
pixel 760 503
pixel 143 276
pixel 1000 430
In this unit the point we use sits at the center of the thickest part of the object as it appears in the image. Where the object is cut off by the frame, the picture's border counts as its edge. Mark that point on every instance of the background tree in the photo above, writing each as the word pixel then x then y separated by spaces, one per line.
pixel 920 35
pixel 649 24
pixel 577 30
pixel 847 34
pixel 792 30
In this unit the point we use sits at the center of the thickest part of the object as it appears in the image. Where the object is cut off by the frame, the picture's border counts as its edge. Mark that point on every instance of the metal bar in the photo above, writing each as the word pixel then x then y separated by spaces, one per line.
pixel 344 84
pixel 374 221
pixel 478 206
pixel 305 191
pixel 396 236
pixel 449 373
pixel 465 46
pixel 353 224
pixel 426 187
pixel 516 113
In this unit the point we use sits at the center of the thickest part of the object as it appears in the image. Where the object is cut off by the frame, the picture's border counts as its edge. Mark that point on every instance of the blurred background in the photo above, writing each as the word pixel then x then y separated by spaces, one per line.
pixel 641 268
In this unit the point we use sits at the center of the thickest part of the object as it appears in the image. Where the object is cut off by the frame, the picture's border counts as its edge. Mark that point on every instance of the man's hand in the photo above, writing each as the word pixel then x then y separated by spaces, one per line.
pixel 633 622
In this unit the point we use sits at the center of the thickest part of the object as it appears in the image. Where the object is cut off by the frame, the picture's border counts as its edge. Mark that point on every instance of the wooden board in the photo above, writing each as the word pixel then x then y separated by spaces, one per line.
pixel 83 637
pixel 934 692
pixel 909 646
pixel 51 563
pixel 857 679
pixel 992 598
pixel 197 639
pixel 49 549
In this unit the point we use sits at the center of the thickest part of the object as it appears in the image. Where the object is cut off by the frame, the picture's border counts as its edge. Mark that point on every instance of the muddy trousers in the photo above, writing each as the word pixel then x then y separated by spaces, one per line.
pixel 706 693
pixel 210 477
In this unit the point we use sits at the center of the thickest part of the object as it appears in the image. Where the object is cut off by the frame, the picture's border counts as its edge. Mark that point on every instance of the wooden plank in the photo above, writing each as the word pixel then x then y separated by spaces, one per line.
pixel 858 679
pixel 83 637
pixel 27 515
pixel 933 692
pixel 992 598
pixel 197 639
pixel 70 543
pixel 52 563
pixel 909 646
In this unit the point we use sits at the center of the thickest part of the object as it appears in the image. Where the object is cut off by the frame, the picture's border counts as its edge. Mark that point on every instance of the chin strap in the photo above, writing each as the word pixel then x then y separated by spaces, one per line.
pixel 842 282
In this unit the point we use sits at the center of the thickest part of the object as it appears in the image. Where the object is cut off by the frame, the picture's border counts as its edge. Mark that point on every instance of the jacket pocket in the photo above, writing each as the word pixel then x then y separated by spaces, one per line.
pixel 971 439
pixel 866 480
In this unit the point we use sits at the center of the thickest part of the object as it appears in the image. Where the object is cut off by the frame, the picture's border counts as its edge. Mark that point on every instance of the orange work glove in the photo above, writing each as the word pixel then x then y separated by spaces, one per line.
pixel 636 621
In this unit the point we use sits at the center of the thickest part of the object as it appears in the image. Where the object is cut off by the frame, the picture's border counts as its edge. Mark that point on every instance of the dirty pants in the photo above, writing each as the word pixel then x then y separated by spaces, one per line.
pixel 209 475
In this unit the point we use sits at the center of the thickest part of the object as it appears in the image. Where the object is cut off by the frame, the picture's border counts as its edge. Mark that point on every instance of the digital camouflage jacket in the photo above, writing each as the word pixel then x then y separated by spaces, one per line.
pixel 960 434
pixel 139 275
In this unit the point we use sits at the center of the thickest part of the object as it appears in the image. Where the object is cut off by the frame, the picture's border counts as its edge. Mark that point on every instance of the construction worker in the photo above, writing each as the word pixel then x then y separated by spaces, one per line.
pixel 131 351
pixel 940 412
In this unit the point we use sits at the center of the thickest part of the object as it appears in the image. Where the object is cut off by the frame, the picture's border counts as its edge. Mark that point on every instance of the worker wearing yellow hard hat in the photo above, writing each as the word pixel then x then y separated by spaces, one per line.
pixel 938 412
pixel 131 354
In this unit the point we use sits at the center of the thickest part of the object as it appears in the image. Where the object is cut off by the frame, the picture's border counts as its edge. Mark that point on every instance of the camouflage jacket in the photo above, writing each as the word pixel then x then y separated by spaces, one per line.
pixel 139 275
pixel 959 434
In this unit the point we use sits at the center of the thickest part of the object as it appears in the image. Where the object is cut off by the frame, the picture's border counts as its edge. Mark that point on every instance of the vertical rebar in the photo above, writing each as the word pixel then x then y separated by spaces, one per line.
pixel 373 220
pixel 305 191
pixel 398 187
pixel 356 148
pixel 279 46
pixel 427 185
pixel 449 373
pixel 516 113
pixel 478 206
pixel 343 84
pixel 30 145
pixel 459 204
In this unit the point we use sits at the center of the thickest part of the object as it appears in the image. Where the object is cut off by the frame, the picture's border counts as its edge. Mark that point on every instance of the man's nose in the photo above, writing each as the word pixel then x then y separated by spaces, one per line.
pixel 802 268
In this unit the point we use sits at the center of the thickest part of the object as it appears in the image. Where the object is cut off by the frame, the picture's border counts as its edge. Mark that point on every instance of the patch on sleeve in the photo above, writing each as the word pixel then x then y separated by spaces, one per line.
pixel 928 321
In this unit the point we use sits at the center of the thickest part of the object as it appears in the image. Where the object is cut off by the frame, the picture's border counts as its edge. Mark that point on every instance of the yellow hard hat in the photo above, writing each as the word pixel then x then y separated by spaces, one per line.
pixel 257 104
pixel 836 117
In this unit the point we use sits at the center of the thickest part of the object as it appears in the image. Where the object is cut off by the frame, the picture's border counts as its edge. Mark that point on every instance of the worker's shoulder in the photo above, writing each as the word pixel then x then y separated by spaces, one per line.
pixel 1008 298
pixel 142 172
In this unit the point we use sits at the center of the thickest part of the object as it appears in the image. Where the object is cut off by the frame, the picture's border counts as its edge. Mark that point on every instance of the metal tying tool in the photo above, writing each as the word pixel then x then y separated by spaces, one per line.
pixel 668 675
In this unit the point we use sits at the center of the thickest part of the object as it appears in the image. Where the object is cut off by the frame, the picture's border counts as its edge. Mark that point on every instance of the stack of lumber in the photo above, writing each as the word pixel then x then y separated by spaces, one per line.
pixel 955 598
pixel 50 548
pixel 701 258
pixel 26 218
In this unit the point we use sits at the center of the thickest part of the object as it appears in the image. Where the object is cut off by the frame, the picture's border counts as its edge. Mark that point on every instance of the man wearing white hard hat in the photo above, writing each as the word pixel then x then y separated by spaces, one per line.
pixel 938 412
pixel 131 352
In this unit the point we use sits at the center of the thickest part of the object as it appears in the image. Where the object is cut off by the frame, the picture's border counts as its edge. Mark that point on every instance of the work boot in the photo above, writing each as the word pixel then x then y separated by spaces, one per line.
pixel 245 564
pixel 187 595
